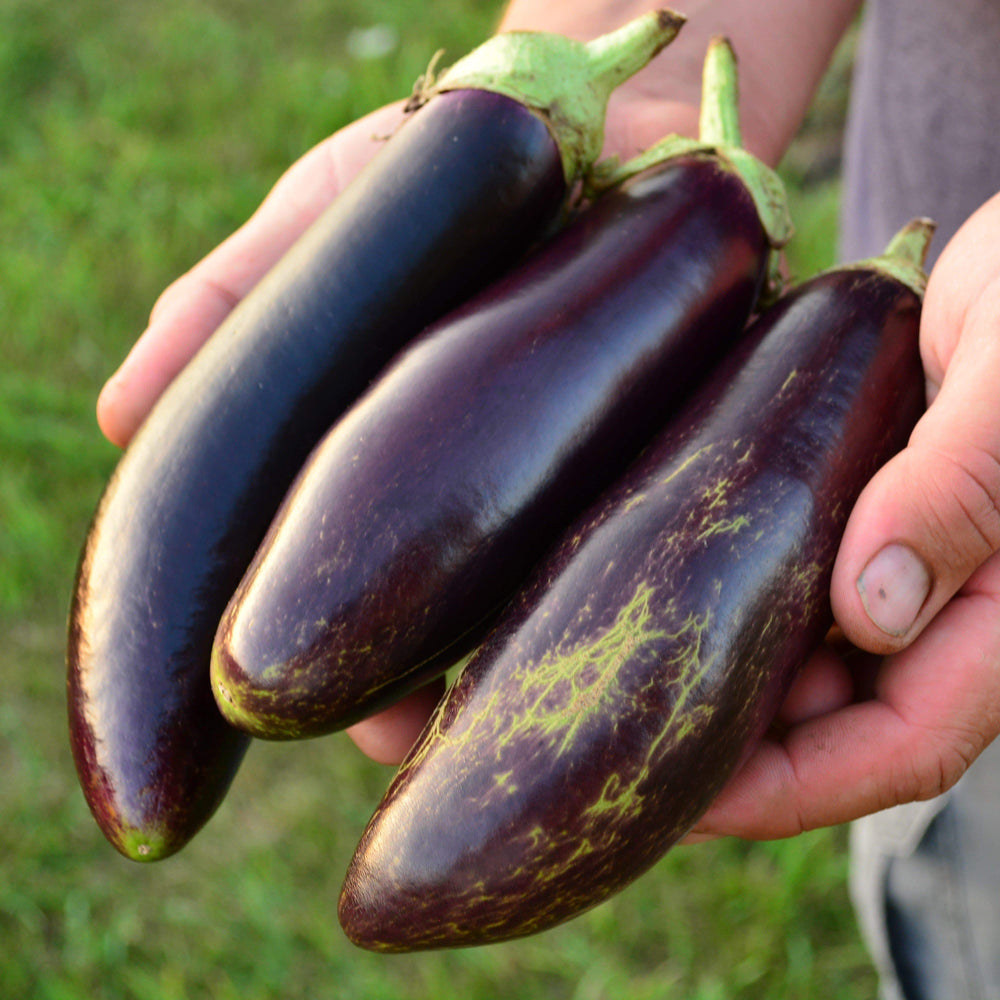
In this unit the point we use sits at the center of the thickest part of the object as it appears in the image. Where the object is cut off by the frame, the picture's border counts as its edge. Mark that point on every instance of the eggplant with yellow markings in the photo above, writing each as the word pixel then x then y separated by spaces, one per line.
pixel 425 506
pixel 482 168
pixel 633 675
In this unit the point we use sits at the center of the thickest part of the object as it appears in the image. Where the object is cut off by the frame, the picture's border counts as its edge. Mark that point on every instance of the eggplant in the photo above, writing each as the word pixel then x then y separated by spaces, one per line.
pixel 426 505
pixel 627 683
pixel 481 168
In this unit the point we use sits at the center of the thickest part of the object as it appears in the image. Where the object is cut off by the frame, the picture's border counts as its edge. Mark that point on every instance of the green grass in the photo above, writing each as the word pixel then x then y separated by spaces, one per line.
pixel 133 138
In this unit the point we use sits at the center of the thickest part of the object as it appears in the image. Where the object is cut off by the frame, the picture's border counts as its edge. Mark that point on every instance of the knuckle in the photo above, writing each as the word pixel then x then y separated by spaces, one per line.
pixel 941 758
pixel 955 755
pixel 172 293
pixel 952 763
pixel 963 501
pixel 194 288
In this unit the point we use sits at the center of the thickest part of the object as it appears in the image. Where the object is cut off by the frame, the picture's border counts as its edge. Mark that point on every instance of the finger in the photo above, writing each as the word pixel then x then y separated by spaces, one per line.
pixel 388 736
pixel 823 685
pixel 191 308
pixel 937 706
pixel 635 122
pixel 966 267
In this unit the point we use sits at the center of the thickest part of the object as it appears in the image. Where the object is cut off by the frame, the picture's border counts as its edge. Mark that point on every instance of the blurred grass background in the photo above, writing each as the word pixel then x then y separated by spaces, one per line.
pixel 133 138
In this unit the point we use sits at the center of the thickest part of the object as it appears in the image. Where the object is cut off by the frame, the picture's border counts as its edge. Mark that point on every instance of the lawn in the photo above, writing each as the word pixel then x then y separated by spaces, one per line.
pixel 133 138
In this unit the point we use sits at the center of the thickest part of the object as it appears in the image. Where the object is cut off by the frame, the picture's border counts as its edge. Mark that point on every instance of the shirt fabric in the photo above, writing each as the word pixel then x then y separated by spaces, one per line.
pixel 923 132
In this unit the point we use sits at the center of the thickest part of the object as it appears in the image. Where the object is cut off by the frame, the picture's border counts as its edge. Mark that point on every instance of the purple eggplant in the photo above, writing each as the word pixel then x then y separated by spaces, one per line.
pixel 480 170
pixel 630 679
pixel 426 505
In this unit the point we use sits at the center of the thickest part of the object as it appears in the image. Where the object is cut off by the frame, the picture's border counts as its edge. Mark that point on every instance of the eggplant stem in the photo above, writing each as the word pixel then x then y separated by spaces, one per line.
pixel 719 122
pixel 912 242
pixel 621 53
pixel 565 82
pixel 904 257
pixel 719 137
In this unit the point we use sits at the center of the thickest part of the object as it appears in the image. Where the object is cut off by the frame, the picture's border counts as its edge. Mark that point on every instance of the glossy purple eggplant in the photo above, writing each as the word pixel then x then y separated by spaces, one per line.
pixel 476 174
pixel 426 505
pixel 630 679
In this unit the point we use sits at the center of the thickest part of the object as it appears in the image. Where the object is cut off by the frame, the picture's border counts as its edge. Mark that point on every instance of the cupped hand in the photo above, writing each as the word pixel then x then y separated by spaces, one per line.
pixel 191 308
pixel 916 585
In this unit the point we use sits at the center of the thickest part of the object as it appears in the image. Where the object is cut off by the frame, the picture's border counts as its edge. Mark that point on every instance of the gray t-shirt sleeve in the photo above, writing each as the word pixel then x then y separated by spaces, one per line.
pixel 923 129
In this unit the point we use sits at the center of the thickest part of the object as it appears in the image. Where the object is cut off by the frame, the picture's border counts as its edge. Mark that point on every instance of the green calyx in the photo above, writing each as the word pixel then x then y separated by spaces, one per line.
pixel 566 82
pixel 904 257
pixel 719 136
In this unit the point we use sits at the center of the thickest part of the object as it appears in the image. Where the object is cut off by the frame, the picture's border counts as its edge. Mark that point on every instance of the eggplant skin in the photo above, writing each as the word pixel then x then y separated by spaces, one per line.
pixel 426 505
pixel 451 200
pixel 632 677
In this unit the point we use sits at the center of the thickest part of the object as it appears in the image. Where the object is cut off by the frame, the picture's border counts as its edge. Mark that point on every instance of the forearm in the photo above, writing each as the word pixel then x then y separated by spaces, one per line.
pixel 784 47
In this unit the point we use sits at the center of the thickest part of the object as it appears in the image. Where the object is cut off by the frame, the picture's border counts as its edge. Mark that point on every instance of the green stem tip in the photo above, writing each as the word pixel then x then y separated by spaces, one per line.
pixel 912 242
pixel 566 82
pixel 719 135
pixel 905 255
pixel 719 122
pixel 620 54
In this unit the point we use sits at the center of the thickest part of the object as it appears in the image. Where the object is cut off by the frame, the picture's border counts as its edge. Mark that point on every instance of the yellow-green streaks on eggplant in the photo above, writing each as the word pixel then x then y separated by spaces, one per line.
pixel 723 526
pixel 537 836
pixel 552 873
pixel 717 495
pixel 689 461
pixel 633 501
pixel 709 517
pixel 557 692
pixel 681 673
pixel 556 695
pixel 803 579
pixel 433 738
pixel 564 689
pixel 540 850
pixel 504 783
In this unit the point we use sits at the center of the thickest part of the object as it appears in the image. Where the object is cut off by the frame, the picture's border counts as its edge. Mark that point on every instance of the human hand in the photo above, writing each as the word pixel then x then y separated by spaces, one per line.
pixel 191 308
pixel 916 585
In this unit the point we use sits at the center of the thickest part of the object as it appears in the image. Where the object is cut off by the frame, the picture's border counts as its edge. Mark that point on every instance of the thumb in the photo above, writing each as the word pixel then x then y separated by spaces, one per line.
pixel 930 517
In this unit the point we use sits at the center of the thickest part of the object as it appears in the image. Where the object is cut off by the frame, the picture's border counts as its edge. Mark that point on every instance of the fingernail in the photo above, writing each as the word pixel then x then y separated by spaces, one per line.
pixel 893 588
